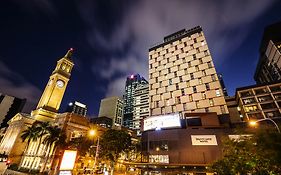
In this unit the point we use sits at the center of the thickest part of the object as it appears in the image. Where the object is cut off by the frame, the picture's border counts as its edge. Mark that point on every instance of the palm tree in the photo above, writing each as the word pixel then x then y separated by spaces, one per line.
pixel 31 134
pixel 42 129
pixel 53 139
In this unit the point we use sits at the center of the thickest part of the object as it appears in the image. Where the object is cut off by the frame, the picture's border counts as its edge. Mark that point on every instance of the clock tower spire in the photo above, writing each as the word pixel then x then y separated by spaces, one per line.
pixel 52 96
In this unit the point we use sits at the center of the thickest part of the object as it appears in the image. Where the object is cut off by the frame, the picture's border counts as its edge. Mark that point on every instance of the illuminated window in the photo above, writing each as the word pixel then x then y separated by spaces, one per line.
pixel 202 43
pixel 190 97
pixel 211 102
pixel 200 80
pixel 218 93
pixel 213 77
pixel 251 108
pixel 187 83
pixel 168 102
pixel 203 95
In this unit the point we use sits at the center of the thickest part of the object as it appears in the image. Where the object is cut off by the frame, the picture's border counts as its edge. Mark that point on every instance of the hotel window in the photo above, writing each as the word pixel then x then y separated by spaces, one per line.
pixel 206 53
pixel 191 76
pixel 203 95
pixel 156 79
pixel 207 86
pixel 187 83
pixel 184 107
pixel 190 97
pixel 204 72
pixel 169 70
pixel 174 62
pixel 178 100
pixel 222 109
pixel 200 80
pixel 197 104
pixel 194 57
pixel 157 104
pixel 189 64
pixel 191 46
pixel 200 61
pixel 182 92
pixel 183 60
pixel 185 71
pixel 160 83
pixel 207 110
pixel 202 43
pixel 265 98
pixel 175 74
pixel 166 50
pixel 177 56
pixel 195 40
pixel 213 77
pixel 209 64
pixel 170 82
pixel 197 50
pixel 194 89
pixel 211 102
pixel 261 91
pixel 168 59
pixel 177 86
pixel 218 93
pixel 185 44
pixel 180 77
pixel 197 68
pixel 275 89
pixel 162 110
pixel 150 66
pixel 182 50
pixel 176 47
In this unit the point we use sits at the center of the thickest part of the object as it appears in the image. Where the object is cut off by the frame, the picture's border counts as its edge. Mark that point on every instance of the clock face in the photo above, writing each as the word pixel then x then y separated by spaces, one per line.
pixel 60 83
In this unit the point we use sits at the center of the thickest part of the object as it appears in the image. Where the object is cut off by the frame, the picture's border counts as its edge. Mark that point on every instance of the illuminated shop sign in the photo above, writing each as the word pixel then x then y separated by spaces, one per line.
pixel 162 121
pixel 239 138
pixel 158 158
pixel 68 160
pixel 204 140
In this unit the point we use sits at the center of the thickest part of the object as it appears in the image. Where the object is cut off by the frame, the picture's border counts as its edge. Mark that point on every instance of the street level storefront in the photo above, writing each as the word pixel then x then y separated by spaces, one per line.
pixel 189 147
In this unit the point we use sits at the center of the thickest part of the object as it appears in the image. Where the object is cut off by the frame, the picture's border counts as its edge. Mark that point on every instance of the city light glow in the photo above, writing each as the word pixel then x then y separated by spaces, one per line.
pixel 68 160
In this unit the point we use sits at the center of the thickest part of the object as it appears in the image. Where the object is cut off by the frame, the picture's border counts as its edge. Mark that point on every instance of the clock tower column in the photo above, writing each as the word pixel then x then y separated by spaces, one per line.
pixel 52 96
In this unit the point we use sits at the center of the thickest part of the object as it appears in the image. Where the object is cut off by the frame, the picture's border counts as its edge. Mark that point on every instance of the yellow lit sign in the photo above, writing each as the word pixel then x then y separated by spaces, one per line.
pixel 68 160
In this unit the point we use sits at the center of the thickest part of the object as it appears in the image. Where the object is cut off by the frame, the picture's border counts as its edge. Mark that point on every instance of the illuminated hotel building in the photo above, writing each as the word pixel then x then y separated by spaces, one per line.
pixel 269 65
pixel 132 83
pixel 182 76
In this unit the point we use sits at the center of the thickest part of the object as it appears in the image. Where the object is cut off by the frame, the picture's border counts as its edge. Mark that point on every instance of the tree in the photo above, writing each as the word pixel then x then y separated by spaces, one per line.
pixel 259 154
pixel 53 139
pixel 112 144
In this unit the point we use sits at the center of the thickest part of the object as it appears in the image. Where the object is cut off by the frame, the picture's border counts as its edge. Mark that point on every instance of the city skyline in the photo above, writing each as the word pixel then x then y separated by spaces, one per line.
pixel 111 44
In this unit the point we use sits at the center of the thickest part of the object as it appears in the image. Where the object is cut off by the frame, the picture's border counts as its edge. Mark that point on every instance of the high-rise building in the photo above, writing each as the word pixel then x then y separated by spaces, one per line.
pixel 269 65
pixel 77 108
pixel 9 107
pixel 182 76
pixel 141 106
pixel 132 83
pixel 112 107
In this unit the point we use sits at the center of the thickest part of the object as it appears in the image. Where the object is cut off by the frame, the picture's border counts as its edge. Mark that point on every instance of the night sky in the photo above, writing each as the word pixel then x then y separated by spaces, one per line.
pixel 111 40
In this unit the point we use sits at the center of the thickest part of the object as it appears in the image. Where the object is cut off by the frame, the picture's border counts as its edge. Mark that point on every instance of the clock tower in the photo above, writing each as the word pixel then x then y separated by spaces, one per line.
pixel 52 96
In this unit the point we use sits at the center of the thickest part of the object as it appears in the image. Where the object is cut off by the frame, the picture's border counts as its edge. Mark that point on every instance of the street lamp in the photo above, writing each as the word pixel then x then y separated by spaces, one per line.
pixel 254 123
pixel 94 133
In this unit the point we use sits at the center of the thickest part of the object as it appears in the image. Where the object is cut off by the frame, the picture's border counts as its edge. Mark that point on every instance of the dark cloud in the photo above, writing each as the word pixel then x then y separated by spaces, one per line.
pixel 14 84
pixel 148 21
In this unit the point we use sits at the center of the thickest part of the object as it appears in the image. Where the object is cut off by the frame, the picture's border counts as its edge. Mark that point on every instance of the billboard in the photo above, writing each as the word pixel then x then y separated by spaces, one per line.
pixel 162 121
pixel 204 140
pixel 68 160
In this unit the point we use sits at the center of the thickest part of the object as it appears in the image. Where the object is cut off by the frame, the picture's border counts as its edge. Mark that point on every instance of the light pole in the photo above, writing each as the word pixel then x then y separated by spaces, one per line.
pixel 94 133
pixel 254 123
